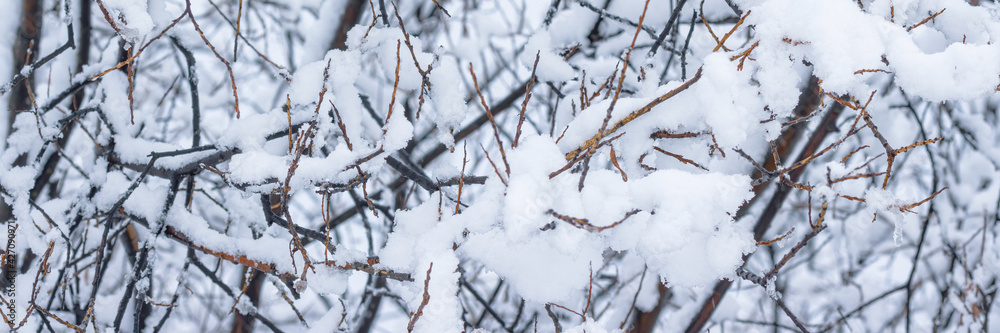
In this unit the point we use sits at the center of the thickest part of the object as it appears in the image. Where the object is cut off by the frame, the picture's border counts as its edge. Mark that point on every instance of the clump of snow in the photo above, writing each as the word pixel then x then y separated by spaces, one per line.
pixel 415 245
pixel 551 67
pixel 449 105
pixel 398 132
pixel 932 70
pixel 256 167
pixel 131 18
pixel 947 74
pixel 17 181
pixel 835 53
pixel 539 271
pixel 530 194
pixel 692 247
pixel 772 291
pixel 685 247
pixel 591 326
pixel 307 82
pixel 929 40
pixel 570 26
pixel 730 110
pixel 883 201
pixel 115 104
pixel 331 321
pixel 112 189
pixel 301 285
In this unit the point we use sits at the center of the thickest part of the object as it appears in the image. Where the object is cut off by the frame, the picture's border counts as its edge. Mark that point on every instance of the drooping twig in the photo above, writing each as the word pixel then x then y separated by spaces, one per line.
pixel 586 225
pixel 229 68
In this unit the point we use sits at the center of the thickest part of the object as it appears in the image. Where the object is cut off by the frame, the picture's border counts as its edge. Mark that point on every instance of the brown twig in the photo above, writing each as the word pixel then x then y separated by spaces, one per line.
pixel 701 13
pixel 586 225
pixel 406 39
pixel 670 135
pixel 288 114
pixel 527 96
pixel 925 20
pixel 635 114
pixel 731 31
pixel 581 157
pixel 567 309
pixel 236 40
pixel 795 249
pixel 908 208
pixel 614 161
pixel 848 156
pixel 229 68
pixel 862 71
pixel 423 302
pixel 343 128
pixel 680 158
pixel 783 236
pixel 745 54
pixel 856 176
pixel 495 169
pixel 143 48
pixel 395 87
pixel 496 132
pixel 461 180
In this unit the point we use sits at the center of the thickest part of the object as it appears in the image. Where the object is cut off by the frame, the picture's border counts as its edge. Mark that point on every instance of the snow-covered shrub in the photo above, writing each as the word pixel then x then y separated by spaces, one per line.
pixel 450 166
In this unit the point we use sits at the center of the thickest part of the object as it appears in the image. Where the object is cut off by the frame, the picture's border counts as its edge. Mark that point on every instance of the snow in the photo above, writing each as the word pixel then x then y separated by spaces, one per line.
pixel 692 247
pixel 551 66
pixel 256 167
pixel 114 186
pixel 307 82
pixel 450 108
pixel 864 38
pixel 537 270
pixel 945 75
pixel 591 326
pixel 398 132
pixel 729 109
pixel 17 181
pixel 332 320
pixel 569 27
pixel 132 19
pixel 543 229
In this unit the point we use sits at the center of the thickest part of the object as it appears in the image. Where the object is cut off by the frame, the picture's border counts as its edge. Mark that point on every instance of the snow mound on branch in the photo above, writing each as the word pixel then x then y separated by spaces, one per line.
pixel 450 107
pixel 549 259
pixel 131 19
pixel 551 67
pixel 845 42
